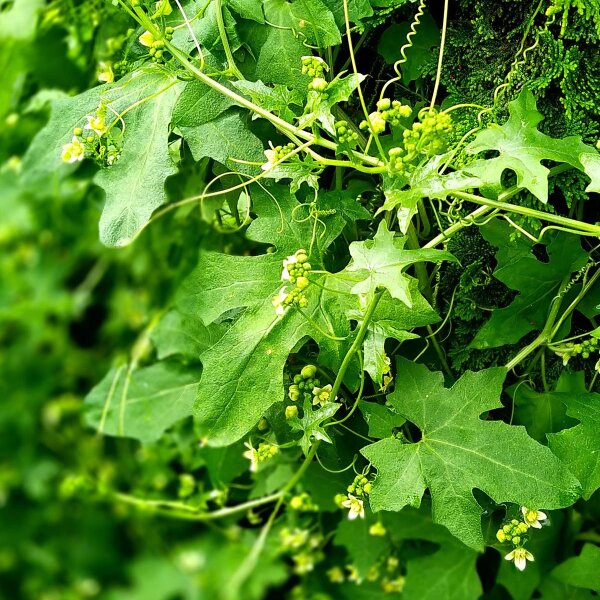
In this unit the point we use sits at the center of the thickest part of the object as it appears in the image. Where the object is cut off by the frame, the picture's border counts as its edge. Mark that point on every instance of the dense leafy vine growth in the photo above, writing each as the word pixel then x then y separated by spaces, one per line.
pixel 342 335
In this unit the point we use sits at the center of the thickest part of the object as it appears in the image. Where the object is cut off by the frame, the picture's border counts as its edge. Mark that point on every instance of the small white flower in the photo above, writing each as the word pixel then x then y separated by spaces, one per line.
pixel 96 124
pixel 290 260
pixel 74 151
pixel 520 556
pixel 532 518
pixel 280 307
pixel 271 155
pixel 356 507
pixel 252 455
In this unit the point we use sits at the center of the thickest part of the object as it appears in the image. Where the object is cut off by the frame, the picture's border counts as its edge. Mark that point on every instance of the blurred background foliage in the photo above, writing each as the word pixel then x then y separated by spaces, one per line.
pixel 68 305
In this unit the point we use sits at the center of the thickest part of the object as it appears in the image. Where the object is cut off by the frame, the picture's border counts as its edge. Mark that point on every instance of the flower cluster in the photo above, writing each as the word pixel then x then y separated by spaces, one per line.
pixel 304 548
pixel 386 572
pixel 275 153
pixel 307 387
pixel 515 533
pixel 295 270
pixel 361 486
pixel 156 46
pixel 265 451
pixel 93 140
pixel 315 67
pixel 302 503
pixel 426 137
pixel 584 349
pixel 345 136
pixel 388 111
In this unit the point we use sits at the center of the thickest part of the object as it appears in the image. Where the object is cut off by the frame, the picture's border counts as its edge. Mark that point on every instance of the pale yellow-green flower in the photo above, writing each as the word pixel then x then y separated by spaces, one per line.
pixel 520 556
pixel 74 151
pixel 533 517
pixel 356 507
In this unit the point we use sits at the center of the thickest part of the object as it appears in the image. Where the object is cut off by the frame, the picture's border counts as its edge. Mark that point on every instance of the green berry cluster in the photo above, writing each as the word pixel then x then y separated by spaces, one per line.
pixel 388 111
pixel 315 67
pixel 302 503
pixel 280 152
pixel 426 137
pixel 514 532
pixel 345 136
pixel 584 349
pixel 360 487
pixel 304 384
pixel 266 451
pixel 295 270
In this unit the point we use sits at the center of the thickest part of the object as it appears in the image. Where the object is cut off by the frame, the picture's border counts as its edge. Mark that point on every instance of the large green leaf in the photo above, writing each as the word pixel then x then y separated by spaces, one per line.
pixel 310 17
pixel 142 403
pixel 536 281
pixel 459 452
pixel 243 371
pixel 134 185
pixel 581 571
pixel 227 140
pixel 544 412
pixel 199 104
pixel 522 149
pixel 579 446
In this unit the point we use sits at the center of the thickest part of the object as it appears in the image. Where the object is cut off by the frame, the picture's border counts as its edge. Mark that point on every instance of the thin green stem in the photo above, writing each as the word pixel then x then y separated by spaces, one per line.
pixel 224 41
pixel 438 76
pixel 179 510
pixel 357 344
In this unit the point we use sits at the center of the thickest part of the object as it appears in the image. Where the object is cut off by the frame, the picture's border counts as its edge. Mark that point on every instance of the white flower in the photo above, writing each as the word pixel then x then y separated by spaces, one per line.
pixel 356 506
pixel 290 260
pixel 252 455
pixel 520 556
pixel 74 151
pixel 280 307
pixel 96 124
pixel 532 518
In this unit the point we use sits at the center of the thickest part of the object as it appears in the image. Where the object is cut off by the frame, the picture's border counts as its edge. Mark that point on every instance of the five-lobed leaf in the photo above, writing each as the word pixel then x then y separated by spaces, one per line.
pixel 522 149
pixel 381 262
pixel 311 423
pixel 459 452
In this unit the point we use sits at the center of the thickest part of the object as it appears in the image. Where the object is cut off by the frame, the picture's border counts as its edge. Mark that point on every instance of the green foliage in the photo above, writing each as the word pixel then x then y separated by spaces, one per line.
pixel 291 308
pixel 459 452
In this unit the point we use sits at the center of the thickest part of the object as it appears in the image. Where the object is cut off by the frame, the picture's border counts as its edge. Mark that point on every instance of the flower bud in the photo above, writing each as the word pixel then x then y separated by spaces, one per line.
pixel 308 371
pixel 291 411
